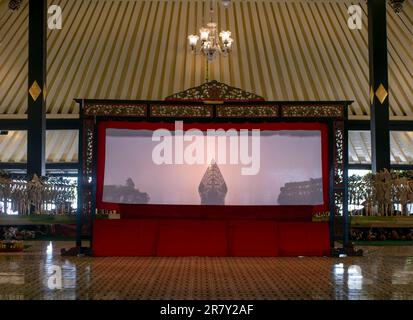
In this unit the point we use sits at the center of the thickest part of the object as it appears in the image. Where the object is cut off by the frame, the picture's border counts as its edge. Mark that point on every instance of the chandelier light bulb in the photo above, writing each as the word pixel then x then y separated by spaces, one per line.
pixel 193 40
pixel 225 36
pixel 204 34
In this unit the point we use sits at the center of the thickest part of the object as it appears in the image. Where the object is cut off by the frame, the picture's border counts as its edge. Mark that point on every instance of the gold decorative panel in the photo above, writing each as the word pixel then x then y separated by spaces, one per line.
pixel 381 93
pixel 124 110
pixel 313 111
pixel 35 90
pixel 248 111
pixel 181 111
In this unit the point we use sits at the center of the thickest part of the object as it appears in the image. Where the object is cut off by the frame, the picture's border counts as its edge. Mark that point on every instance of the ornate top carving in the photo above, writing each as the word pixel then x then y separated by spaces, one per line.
pixel 215 91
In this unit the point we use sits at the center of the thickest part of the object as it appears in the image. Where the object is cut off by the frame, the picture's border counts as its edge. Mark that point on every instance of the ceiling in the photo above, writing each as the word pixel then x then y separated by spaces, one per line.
pixel 284 50
pixel 61 146
pixel 401 145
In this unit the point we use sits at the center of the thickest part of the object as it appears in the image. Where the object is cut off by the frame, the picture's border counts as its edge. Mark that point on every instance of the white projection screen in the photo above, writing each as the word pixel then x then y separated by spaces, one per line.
pixel 278 167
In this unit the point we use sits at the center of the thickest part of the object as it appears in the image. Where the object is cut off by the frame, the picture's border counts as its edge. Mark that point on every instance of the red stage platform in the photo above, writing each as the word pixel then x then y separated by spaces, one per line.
pixel 208 231
pixel 186 230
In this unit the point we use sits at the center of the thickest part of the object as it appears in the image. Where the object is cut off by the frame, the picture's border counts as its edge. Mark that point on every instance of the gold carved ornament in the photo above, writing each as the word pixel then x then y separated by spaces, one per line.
pixel 214 91
pixel 124 110
pixel 181 111
pixel 313 111
pixel 248 111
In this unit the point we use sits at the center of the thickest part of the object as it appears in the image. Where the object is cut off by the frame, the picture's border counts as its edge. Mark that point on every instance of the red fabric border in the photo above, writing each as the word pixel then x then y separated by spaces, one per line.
pixel 102 126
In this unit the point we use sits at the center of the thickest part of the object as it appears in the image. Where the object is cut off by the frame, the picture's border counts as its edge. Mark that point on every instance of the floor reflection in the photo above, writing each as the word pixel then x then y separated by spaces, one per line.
pixel 348 280
pixel 41 273
pixel 11 278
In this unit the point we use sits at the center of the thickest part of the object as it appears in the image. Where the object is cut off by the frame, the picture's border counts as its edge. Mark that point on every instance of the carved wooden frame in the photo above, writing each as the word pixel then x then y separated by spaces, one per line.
pixel 333 113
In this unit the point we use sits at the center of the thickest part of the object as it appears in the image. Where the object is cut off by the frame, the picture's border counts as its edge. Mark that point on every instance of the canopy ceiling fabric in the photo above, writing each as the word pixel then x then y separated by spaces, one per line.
pixel 284 50
pixel 401 147
pixel 61 146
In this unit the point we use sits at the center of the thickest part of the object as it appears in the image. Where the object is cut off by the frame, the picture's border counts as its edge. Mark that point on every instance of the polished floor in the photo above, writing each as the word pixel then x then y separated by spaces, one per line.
pixel 41 273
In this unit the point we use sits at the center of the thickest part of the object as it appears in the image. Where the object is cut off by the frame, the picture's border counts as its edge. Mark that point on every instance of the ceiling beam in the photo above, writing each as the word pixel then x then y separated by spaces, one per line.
pixel 364 125
pixel 367 166
pixel 51 124
pixel 49 166
pixel 379 87
pixel 36 103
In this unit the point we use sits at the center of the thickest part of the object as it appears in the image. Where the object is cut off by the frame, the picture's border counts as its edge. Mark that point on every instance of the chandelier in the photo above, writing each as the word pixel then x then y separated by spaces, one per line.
pixel 210 43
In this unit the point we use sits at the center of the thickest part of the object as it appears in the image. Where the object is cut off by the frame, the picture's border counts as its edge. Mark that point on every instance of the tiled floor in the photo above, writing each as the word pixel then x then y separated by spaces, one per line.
pixel 383 273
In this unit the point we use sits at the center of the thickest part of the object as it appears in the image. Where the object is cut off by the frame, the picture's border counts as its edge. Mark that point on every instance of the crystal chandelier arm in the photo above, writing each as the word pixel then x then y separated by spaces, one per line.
pixel 211 11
